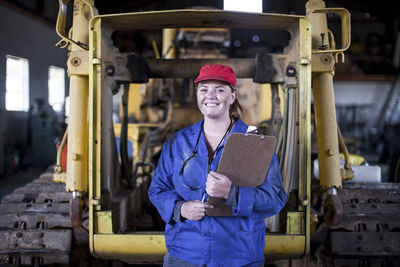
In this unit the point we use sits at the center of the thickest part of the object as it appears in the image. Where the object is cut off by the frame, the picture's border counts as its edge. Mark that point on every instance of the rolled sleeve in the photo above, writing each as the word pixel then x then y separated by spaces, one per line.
pixel 177 212
pixel 232 197
pixel 245 202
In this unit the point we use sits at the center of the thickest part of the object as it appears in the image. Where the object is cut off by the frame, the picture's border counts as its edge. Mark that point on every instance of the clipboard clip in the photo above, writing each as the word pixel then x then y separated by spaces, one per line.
pixel 262 137
pixel 253 130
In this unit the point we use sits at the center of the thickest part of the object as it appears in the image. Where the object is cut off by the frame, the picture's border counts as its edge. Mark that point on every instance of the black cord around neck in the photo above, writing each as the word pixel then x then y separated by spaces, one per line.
pixel 222 139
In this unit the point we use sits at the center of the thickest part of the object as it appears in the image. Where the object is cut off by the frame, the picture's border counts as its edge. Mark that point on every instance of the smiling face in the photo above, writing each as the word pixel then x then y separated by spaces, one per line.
pixel 214 98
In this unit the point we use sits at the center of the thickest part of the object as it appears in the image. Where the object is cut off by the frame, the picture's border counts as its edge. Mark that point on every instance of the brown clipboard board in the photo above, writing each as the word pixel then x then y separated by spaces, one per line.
pixel 245 160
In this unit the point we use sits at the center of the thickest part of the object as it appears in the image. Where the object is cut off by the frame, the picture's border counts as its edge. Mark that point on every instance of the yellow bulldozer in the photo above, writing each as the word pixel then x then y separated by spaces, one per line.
pixel 125 104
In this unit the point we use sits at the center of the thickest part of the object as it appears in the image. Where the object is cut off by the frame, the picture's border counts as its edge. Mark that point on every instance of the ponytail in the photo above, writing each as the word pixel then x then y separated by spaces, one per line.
pixel 235 110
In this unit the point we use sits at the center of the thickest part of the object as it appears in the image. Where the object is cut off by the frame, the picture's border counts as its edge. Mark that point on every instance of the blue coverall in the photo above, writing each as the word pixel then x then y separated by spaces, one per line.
pixel 215 241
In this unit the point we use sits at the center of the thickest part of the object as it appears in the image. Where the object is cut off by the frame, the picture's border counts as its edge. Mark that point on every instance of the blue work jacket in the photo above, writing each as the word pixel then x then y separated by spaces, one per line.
pixel 215 241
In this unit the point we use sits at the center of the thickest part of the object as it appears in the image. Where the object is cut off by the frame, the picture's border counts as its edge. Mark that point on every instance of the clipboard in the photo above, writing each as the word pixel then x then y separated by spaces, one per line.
pixel 245 160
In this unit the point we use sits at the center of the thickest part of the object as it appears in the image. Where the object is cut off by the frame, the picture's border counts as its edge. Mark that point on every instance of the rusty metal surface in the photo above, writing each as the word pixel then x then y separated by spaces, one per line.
pixel 37 240
pixel 33 259
pixel 244 68
pixel 368 262
pixel 369 195
pixel 37 197
pixel 46 177
pixel 75 212
pixel 372 208
pixel 40 187
pixel 6 208
pixel 365 243
pixel 35 227
pixel 368 223
pixel 33 220
pixel 333 210
pixel 189 68
pixel 372 186
pixel 368 233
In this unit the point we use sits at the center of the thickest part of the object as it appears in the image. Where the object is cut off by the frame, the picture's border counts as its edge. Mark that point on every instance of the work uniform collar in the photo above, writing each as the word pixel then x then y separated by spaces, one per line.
pixel 238 127
pixel 195 129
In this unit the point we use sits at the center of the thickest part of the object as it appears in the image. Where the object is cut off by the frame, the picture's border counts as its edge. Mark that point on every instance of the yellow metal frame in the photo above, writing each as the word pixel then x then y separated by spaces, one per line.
pixel 323 64
pixel 345 26
pixel 150 246
pixel 77 158
pixel 61 23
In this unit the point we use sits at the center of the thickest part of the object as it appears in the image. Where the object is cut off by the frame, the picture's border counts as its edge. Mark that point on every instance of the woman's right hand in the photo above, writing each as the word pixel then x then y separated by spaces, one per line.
pixel 194 210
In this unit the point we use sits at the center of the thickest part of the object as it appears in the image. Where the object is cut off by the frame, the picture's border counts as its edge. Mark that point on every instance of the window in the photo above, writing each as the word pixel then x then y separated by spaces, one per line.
pixel 56 87
pixel 245 6
pixel 17 83
pixel 66 113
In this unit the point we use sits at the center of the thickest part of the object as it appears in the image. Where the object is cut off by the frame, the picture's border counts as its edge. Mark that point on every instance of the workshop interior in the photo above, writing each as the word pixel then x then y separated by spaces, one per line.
pixel 90 90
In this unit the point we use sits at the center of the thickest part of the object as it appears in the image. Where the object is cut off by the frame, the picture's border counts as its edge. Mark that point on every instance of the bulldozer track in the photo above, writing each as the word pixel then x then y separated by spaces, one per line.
pixel 35 225
pixel 369 231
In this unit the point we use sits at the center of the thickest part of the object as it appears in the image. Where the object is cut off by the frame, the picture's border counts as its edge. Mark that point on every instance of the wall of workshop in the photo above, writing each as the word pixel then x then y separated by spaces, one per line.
pixel 358 105
pixel 24 37
pixel 371 93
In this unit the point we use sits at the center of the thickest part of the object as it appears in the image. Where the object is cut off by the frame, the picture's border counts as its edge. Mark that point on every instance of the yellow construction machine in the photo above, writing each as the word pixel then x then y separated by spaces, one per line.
pixel 111 152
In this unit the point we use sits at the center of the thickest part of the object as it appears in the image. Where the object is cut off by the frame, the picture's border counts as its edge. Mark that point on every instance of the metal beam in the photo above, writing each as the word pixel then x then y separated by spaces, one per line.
pixel 189 68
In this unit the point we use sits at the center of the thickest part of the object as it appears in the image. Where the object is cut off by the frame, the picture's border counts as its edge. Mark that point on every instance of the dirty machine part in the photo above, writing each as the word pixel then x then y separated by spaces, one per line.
pixel 35 224
pixel 368 233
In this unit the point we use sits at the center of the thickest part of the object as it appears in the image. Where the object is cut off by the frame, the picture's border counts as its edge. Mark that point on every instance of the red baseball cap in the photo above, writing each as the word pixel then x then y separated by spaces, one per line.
pixel 217 72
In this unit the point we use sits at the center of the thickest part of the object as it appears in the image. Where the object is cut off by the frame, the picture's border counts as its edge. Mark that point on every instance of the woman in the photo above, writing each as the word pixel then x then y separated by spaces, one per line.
pixel 185 177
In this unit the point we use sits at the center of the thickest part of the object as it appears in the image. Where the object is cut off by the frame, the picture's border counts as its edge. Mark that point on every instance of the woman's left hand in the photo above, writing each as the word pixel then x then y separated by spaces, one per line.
pixel 218 185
